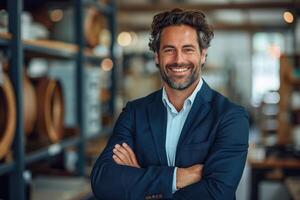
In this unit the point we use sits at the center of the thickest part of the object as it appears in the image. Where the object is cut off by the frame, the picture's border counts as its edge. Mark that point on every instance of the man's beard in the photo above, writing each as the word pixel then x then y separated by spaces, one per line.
pixel 180 86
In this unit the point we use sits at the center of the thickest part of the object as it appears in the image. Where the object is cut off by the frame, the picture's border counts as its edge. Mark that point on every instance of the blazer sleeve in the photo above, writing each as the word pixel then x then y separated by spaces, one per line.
pixel 225 162
pixel 112 181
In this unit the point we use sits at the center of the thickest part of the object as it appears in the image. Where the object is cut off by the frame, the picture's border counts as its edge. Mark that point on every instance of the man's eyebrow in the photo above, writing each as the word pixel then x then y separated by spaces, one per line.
pixel 189 45
pixel 184 46
pixel 168 46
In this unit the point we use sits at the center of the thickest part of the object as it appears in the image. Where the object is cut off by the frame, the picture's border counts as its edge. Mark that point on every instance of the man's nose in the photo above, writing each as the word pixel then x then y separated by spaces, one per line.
pixel 179 57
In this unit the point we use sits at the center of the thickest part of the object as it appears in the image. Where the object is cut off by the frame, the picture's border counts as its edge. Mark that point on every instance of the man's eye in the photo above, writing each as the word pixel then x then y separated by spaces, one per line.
pixel 169 50
pixel 189 50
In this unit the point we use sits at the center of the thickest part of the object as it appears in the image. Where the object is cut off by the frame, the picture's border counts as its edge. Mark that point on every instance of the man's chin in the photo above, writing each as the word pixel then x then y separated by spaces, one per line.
pixel 178 86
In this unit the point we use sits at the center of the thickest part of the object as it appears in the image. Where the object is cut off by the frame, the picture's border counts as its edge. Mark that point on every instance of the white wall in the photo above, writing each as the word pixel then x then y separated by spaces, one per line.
pixel 233 50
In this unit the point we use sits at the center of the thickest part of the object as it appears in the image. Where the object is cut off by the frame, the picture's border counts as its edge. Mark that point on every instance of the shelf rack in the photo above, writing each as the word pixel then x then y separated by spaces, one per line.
pixel 288 84
pixel 51 49
pixel 13 44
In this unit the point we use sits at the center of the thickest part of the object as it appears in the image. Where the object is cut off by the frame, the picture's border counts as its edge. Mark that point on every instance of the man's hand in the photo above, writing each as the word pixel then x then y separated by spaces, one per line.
pixel 124 155
pixel 188 176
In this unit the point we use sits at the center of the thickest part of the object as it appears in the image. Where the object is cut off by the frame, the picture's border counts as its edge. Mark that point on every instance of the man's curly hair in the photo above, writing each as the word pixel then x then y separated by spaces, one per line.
pixel 177 16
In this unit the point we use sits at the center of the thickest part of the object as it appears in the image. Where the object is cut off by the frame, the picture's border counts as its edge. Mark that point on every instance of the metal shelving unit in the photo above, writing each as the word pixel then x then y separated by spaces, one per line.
pixel 52 150
pixel 113 27
pixel 50 52
pixel 4 40
pixel 38 48
pixel 15 48
pixel 16 180
pixel 6 168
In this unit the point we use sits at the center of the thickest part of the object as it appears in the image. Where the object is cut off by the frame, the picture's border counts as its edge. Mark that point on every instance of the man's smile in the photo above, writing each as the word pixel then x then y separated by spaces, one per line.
pixel 179 70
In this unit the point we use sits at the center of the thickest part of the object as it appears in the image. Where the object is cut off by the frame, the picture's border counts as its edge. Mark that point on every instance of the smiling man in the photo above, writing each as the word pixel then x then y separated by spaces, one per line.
pixel 185 141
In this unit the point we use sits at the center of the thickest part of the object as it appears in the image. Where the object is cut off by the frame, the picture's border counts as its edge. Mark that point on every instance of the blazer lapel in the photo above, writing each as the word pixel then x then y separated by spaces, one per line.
pixel 157 116
pixel 199 110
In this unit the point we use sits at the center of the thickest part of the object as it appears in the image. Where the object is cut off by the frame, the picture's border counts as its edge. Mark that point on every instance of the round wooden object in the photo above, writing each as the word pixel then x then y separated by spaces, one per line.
pixel 50 109
pixel 7 115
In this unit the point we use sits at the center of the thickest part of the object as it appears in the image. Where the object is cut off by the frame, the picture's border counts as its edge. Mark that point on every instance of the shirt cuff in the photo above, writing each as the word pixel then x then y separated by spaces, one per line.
pixel 174 189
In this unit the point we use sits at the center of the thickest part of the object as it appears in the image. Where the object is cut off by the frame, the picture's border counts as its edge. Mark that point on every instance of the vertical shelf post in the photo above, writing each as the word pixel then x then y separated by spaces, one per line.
pixel 17 183
pixel 79 40
pixel 113 28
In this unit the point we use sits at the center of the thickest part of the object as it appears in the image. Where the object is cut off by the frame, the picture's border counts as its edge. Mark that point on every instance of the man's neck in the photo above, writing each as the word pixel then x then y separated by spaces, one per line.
pixel 177 97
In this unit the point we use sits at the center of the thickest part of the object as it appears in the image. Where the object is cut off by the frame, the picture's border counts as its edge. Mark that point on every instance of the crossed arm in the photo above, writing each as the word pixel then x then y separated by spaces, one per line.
pixel 119 176
pixel 124 155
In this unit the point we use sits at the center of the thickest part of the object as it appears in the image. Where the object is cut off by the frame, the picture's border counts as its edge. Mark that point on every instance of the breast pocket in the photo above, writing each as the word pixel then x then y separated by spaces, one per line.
pixel 191 154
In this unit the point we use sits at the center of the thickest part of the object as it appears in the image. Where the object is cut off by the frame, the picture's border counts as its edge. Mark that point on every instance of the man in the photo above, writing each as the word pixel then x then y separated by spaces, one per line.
pixel 185 141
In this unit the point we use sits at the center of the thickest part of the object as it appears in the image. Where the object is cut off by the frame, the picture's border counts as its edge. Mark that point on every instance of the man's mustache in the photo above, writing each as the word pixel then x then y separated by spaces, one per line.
pixel 180 65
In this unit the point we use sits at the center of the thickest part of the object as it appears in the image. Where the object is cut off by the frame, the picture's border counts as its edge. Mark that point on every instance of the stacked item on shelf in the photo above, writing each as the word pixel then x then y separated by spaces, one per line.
pixel 268 118
pixel 289 106
pixel 64 72
pixel 43 111
pixel 7 113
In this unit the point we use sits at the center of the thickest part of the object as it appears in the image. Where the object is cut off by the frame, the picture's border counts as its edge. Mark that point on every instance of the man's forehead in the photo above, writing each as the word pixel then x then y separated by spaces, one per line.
pixel 179 30
pixel 179 34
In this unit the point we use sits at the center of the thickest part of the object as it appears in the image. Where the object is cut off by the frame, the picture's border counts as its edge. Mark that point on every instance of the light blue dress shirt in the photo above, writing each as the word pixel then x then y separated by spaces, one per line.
pixel 175 122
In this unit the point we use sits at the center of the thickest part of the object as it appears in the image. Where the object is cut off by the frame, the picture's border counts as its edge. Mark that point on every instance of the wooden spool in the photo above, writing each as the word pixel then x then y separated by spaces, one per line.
pixel 7 115
pixel 50 109
pixel 30 106
pixel 93 24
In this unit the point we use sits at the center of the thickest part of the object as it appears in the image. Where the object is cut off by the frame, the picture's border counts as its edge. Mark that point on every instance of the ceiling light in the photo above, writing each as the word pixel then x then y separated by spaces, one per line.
pixel 288 17
pixel 56 15
pixel 107 64
pixel 124 39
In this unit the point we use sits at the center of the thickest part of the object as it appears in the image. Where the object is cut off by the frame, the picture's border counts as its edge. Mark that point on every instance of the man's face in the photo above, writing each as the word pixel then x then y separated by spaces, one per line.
pixel 179 57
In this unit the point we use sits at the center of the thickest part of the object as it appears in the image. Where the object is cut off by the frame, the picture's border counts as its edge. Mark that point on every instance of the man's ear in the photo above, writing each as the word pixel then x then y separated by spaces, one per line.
pixel 156 58
pixel 203 55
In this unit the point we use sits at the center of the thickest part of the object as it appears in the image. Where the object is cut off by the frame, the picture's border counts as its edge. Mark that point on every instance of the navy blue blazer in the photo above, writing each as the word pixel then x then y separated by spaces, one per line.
pixel 215 134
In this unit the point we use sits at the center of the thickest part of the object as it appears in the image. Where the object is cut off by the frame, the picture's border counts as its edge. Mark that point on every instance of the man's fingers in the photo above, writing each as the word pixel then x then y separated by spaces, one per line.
pixel 122 154
pixel 125 153
pixel 131 154
pixel 117 160
pixel 119 156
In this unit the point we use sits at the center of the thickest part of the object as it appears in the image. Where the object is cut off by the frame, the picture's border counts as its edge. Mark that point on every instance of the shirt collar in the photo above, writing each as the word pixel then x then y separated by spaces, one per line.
pixel 190 99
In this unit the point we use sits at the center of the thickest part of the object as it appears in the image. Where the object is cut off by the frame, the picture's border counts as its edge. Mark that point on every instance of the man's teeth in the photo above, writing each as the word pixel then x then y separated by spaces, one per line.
pixel 179 69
